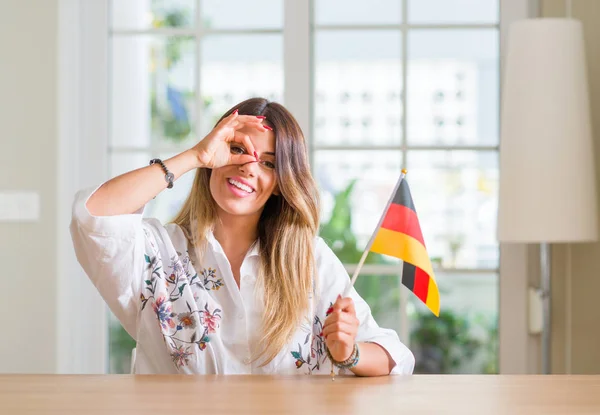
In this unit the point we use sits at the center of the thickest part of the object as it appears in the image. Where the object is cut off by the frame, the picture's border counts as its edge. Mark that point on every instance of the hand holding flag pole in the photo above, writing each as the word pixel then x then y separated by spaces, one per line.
pixel 398 234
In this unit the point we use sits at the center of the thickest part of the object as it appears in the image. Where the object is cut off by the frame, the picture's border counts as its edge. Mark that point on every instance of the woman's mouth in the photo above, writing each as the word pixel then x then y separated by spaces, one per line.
pixel 239 189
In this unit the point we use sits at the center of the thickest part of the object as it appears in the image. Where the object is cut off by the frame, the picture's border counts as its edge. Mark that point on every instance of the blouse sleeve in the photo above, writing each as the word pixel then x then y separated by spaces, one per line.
pixel 332 281
pixel 110 250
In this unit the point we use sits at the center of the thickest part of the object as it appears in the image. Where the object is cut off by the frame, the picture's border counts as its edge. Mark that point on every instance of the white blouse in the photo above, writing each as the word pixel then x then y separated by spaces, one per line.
pixel 192 318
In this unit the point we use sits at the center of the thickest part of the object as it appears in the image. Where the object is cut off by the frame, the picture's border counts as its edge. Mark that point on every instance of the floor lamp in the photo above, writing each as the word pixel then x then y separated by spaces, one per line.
pixel 547 175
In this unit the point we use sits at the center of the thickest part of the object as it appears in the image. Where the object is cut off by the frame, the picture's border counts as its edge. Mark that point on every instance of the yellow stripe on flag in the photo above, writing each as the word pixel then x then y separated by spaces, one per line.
pixel 402 246
pixel 433 297
pixel 409 249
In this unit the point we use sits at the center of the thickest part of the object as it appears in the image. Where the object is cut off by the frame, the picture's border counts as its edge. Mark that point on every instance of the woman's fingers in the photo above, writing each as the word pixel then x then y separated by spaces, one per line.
pixel 340 326
pixel 245 142
pixel 241 159
pixel 345 304
pixel 237 121
pixel 250 121
pixel 227 144
pixel 342 337
pixel 341 318
pixel 229 120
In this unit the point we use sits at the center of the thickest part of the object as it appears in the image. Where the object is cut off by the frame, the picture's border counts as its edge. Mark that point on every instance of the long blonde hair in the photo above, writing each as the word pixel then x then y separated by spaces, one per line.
pixel 286 229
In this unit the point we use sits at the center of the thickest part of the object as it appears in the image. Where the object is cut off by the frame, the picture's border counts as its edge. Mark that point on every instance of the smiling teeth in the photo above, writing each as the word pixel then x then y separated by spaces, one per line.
pixel 241 186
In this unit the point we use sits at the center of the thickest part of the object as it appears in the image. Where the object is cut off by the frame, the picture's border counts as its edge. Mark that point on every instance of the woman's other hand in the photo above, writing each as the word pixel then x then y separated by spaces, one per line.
pixel 340 329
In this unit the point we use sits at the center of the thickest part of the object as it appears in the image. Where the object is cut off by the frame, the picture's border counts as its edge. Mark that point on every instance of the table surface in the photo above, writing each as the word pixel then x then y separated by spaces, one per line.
pixel 158 394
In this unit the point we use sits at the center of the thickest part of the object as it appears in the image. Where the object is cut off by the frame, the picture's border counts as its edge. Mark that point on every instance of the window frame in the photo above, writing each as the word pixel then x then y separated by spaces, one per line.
pixel 83 159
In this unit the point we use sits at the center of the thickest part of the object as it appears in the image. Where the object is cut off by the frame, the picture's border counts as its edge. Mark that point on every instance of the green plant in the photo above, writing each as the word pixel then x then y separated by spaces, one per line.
pixel 490 364
pixel 170 114
pixel 442 345
pixel 171 18
pixel 121 344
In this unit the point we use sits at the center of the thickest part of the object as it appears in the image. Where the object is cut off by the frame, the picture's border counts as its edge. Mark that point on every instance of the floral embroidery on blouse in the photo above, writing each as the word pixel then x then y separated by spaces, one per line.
pixel 180 356
pixel 209 280
pixel 209 320
pixel 178 310
pixel 184 330
pixel 162 308
pixel 316 355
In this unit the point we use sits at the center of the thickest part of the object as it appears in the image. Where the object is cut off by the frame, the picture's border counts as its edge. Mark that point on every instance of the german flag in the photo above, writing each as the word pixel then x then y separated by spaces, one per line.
pixel 399 235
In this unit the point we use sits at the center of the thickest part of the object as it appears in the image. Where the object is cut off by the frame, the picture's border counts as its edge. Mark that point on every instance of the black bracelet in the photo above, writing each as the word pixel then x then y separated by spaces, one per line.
pixel 169 177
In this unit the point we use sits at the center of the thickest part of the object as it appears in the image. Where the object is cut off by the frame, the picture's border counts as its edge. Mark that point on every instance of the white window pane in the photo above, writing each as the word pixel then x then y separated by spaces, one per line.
pixel 358 88
pixel 375 172
pixel 358 12
pixel 238 67
pixel 456 197
pixel 453 11
pixel 145 14
pixel 127 161
pixel 256 14
pixel 168 202
pixel 453 87
pixel 382 294
pixel 152 90
pixel 464 339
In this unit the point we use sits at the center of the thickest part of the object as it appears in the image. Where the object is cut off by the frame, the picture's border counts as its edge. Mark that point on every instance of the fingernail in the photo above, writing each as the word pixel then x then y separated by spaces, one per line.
pixel 339 297
pixel 256 155
pixel 235 112
pixel 267 127
pixel 261 117
pixel 321 334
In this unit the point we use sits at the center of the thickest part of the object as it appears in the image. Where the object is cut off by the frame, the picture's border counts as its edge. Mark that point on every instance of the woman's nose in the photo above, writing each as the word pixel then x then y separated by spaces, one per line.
pixel 249 167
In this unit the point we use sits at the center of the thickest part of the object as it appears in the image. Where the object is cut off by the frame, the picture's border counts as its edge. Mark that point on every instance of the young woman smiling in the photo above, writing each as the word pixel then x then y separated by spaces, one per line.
pixel 240 282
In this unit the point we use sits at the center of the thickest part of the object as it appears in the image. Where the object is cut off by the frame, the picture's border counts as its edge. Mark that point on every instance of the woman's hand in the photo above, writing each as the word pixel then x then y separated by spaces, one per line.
pixel 215 149
pixel 340 329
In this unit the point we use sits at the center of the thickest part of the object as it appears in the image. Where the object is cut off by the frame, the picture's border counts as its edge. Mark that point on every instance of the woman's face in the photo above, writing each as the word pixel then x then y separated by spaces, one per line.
pixel 244 189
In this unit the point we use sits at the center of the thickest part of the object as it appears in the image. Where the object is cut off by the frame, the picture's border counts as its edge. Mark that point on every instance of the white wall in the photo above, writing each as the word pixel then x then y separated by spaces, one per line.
pixel 28 137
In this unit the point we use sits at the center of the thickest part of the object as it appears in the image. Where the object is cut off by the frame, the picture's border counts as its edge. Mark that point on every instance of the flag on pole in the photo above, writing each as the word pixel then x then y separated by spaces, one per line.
pixel 399 235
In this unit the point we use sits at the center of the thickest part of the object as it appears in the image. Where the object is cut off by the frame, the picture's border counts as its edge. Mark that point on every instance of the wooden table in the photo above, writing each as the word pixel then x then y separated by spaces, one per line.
pixel 308 395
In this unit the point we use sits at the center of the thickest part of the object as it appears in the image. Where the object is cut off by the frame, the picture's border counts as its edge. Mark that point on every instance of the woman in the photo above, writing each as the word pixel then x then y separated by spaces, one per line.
pixel 239 283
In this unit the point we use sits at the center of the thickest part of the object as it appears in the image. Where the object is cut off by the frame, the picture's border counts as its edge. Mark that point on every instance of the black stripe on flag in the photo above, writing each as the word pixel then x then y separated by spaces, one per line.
pixel 403 197
pixel 408 275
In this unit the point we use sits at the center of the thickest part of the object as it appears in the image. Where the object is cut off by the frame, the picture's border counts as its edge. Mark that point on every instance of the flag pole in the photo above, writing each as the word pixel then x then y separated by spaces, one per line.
pixel 366 252
pixel 370 243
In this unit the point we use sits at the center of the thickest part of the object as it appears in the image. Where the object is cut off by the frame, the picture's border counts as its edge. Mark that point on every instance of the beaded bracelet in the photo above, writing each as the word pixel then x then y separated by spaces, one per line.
pixel 350 362
pixel 169 177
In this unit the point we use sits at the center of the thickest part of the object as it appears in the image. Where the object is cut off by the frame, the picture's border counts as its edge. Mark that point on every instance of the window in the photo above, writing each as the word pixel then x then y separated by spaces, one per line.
pixel 396 83
pixel 174 68
pixel 415 84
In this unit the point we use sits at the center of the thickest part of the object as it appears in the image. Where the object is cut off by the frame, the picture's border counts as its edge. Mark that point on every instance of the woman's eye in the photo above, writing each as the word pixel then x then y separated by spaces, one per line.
pixel 237 150
pixel 268 164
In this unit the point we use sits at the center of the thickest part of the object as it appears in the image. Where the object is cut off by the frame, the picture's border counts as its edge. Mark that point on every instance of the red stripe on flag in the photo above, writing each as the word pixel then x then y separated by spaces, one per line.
pixel 421 286
pixel 402 219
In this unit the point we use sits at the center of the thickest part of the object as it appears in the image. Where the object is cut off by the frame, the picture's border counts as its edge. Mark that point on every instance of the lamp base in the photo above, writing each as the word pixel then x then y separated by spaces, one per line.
pixel 545 288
